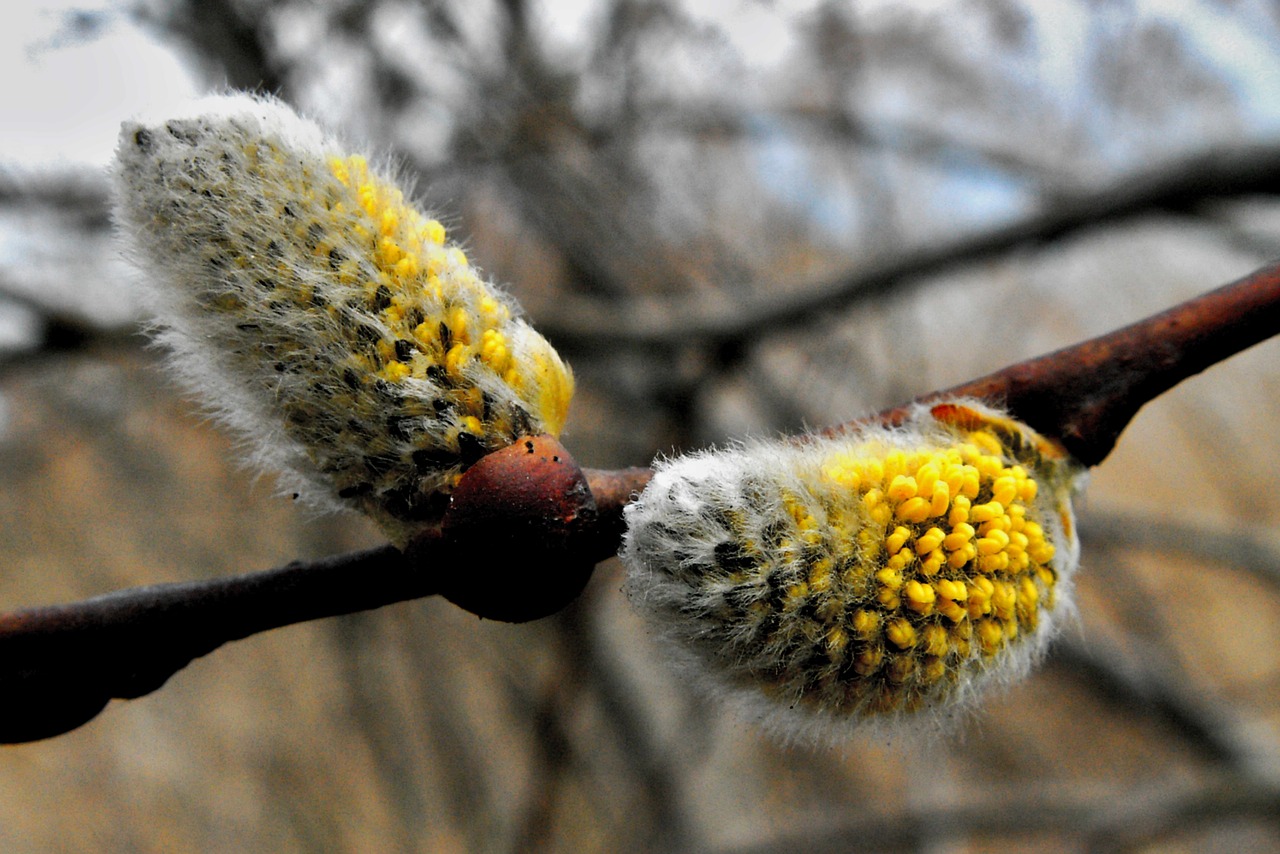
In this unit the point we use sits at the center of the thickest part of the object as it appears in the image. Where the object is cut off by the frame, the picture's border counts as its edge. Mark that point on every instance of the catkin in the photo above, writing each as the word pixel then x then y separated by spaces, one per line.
pixel 879 575
pixel 324 318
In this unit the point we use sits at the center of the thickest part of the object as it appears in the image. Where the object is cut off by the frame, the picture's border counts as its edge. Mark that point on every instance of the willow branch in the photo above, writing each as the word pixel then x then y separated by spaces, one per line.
pixel 59 666
pixel 1086 394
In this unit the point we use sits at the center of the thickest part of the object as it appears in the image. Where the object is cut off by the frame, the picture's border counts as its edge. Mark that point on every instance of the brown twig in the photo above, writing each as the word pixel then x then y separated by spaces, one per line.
pixel 59 666
pixel 1085 395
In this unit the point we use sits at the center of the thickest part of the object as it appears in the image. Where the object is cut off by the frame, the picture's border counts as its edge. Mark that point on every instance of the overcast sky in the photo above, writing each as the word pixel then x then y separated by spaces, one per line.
pixel 65 95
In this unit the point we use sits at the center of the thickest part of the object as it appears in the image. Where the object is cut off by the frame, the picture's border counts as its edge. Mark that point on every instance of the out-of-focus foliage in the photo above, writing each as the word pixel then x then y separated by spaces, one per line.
pixel 732 218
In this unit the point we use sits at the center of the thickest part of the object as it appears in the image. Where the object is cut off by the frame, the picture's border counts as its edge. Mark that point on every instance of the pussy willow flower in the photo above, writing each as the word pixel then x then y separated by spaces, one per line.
pixel 322 316
pixel 863 577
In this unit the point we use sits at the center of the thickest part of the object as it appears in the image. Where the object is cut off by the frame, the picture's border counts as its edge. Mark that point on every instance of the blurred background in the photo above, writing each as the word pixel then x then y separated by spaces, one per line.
pixel 733 218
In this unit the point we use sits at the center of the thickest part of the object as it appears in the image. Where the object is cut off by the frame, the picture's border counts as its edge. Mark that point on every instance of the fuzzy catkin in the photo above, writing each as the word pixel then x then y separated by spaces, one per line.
pixel 321 315
pixel 884 574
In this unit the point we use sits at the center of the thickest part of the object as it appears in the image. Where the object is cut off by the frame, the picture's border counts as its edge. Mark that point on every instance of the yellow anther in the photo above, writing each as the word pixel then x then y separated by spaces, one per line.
pixel 395 371
pixel 901 634
pixel 457 358
pixel 986 512
pixel 897 539
pixel 1028 593
pixel 493 349
pixel 407 267
pixel 913 510
pixel 821 576
pixel 990 635
pixel 991 544
pixel 951 589
pixel 933 563
pixel 339 169
pixel 941 499
pixel 847 476
pixel 933 670
pixel 986 442
pixel 389 251
pixel 901 488
pixel 953 477
pixel 1004 491
pixel 929 540
pixel 866 623
pixel 890 577
pixel 919 597
pixel 1042 553
pixel 488 305
pixel 927 476
pixel 868 661
pixel 953 611
pixel 959 537
pixel 980 590
pixel 459 327
pixel 901 560
pixel 933 639
pixel 837 640
pixel 427 332
pixel 1027 491
pixel 388 222
pixel 1003 600
pixel 797 594
pixel 993 563
pixel 959 510
pixel 895 463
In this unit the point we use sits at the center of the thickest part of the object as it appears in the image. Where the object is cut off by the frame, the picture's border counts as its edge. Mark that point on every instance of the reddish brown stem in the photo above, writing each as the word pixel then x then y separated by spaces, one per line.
pixel 60 665
pixel 1085 395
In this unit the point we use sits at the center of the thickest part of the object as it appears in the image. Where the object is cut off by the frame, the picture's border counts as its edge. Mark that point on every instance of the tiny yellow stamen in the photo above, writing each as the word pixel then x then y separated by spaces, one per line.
pixel 919 597
pixel 901 634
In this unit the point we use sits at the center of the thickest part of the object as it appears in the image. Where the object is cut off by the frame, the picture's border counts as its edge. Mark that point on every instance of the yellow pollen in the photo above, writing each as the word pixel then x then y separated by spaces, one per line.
pixel 919 597
pixel 913 510
pixel 959 537
pixel 901 634
pixel 897 539
pixel 928 541
pixel 902 488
